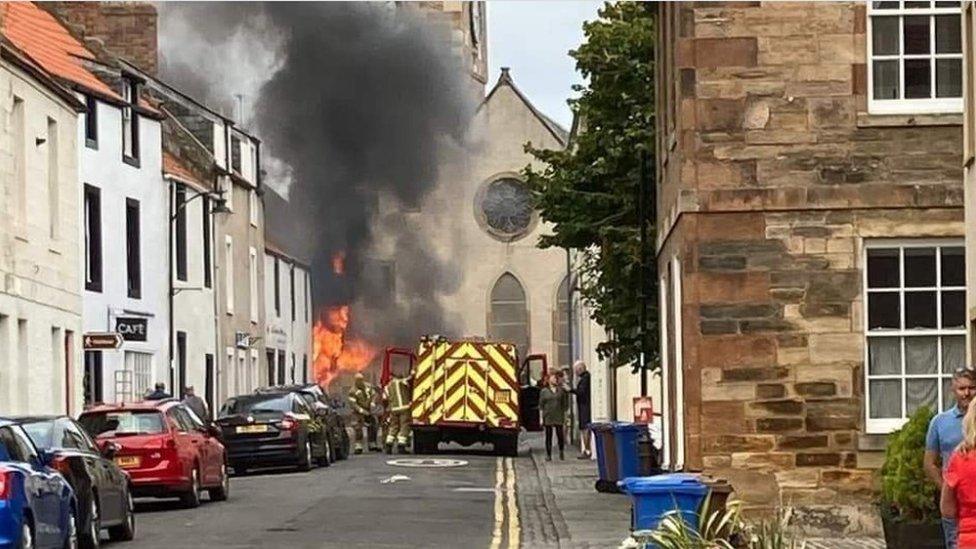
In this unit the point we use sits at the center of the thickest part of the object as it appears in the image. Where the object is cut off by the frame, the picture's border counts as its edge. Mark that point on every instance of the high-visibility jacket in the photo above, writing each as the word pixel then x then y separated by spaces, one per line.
pixel 361 399
pixel 398 394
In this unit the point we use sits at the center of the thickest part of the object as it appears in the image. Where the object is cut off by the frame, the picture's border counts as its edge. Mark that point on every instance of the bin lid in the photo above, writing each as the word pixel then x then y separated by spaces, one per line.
pixel 683 482
pixel 601 426
pixel 628 426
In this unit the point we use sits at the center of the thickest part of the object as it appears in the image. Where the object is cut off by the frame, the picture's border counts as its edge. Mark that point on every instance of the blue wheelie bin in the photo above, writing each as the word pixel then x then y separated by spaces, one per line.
pixel 627 441
pixel 606 457
pixel 654 497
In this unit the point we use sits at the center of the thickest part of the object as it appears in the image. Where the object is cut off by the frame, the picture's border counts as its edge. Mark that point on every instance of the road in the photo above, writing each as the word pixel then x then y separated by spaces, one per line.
pixel 353 503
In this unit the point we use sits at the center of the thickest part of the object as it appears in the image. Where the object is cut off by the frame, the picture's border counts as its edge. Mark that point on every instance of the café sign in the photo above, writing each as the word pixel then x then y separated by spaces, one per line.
pixel 132 328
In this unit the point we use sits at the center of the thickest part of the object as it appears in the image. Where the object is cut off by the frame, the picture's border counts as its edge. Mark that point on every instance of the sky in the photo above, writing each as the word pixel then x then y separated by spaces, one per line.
pixel 532 37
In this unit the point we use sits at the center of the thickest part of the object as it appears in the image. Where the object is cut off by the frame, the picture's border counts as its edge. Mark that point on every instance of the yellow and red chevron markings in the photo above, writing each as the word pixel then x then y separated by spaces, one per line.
pixel 466 381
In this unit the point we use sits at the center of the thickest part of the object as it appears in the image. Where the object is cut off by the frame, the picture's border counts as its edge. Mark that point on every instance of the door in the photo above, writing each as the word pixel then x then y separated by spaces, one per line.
pixel 465 389
pixel 270 366
pixel 93 377
pixel 180 389
pixel 532 376
pixel 101 470
pixel 199 447
pixel 208 385
pixel 185 450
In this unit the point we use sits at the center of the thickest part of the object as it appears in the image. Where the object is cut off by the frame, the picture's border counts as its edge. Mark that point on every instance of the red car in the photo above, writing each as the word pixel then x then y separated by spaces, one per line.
pixel 166 450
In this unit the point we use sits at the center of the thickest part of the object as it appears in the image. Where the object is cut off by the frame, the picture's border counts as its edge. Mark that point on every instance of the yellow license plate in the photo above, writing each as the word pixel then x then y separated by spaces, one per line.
pixel 503 397
pixel 127 461
pixel 252 429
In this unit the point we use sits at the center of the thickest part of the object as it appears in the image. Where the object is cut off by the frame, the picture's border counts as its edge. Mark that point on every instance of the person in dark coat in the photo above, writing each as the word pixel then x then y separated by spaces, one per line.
pixel 553 404
pixel 582 392
pixel 159 393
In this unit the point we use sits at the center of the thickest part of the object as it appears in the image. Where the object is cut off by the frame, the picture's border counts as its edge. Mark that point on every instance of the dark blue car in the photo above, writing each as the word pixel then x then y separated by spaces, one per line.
pixel 37 506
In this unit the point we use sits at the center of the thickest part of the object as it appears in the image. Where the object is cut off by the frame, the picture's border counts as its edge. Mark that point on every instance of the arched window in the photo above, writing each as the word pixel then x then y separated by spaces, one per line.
pixel 508 319
pixel 560 325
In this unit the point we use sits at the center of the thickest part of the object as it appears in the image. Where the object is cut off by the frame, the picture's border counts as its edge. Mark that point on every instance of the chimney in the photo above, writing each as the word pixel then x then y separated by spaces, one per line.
pixel 126 29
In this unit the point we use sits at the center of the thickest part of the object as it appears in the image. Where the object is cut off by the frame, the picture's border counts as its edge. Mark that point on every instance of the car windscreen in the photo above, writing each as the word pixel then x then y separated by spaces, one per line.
pixel 123 422
pixel 256 404
pixel 41 433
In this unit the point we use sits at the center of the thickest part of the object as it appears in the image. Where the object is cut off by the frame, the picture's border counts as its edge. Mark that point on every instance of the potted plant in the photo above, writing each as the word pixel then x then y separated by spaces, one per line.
pixel 909 500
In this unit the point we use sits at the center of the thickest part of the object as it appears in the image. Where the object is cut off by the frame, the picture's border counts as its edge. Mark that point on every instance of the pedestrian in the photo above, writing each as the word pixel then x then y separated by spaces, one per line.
pixel 159 392
pixel 553 403
pixel 958 501
pixel 195 403
pixel 945 433
pixel 582 392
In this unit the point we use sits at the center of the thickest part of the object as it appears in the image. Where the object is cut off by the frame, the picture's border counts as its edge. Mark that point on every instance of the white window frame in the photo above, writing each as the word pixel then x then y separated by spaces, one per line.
pixel 229 273
pixel 679 390
pixel 252 196
pixel 933 105
pixel 252 273
pixel 887 425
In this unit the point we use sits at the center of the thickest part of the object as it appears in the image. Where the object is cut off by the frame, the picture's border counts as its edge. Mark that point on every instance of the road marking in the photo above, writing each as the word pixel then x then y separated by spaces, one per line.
pixel 514 526
pixel 427 462
pixel 394 478
pixel 475 489
pixel 496 534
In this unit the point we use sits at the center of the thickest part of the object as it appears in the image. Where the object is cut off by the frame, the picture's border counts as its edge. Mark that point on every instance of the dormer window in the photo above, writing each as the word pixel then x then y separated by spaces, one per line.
pixel 235 154
pixel 130 121
pixel 91 122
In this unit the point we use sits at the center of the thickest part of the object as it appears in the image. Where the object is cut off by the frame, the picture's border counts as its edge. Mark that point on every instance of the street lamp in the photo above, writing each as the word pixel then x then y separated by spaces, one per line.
pixel 219 206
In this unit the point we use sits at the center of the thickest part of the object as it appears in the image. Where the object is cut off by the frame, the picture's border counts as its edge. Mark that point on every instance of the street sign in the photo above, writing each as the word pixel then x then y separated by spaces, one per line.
pixel 101 341
pixel 242 340
pixel 132 328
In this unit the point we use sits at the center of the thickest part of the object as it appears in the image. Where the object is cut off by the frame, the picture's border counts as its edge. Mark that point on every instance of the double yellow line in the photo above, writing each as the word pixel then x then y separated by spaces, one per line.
pixel 506 506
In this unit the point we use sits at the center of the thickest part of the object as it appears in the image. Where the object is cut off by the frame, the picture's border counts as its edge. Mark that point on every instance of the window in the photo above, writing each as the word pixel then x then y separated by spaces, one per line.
pixel 53 191
pixel 277 290
pixel 93 239
pixel 281 368
pixel 16 445
pixel 207 267
pixel 270 356
pixel 508 315
pixel 968 22
pixel 140 365
pixel 133 260
pixel 235 154
pixel 179 203
pixel 130 121
pixel 915 50
pixel 291 291
pixel 915 326
pixel 91 122
pixel 560 325
pixel 253 289
pixel 20 159
pixel 253 206
pixel 229 273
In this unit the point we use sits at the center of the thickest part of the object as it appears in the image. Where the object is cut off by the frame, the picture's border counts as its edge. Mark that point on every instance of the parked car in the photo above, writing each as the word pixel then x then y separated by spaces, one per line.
pixel 267 429
pixel 101 487
pixel 37 505
pixel 164 447
pixel 320 403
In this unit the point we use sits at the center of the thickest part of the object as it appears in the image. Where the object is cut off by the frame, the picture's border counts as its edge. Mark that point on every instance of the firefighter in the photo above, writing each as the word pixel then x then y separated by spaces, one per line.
pixel 361 399
pixel 397 397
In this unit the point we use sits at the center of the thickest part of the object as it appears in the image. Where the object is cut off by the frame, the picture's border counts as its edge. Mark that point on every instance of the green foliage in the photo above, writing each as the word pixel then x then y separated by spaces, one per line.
pixel 905 489
pixel 589 191
pixel 724 529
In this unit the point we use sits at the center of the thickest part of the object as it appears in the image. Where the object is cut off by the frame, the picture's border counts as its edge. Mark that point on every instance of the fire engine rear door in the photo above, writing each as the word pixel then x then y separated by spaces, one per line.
pixel 466 389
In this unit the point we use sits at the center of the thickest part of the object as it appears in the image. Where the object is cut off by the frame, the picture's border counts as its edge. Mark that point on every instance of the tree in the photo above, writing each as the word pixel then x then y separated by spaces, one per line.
pixel 589 191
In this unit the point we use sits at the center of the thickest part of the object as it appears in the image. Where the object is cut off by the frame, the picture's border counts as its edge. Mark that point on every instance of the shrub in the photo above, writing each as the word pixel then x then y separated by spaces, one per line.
pixel 906 491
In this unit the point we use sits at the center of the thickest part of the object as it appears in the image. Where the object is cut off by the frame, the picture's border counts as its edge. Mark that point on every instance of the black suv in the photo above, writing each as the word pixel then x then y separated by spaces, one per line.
pixel 324 407
pixel 272 428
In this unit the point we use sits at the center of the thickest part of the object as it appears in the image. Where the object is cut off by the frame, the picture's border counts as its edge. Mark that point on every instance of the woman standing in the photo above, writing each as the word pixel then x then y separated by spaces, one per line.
pixel 959 486
pixel 553 404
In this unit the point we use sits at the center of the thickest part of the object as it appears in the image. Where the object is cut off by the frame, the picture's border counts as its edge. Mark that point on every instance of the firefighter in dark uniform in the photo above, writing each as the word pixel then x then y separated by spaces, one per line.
pixel 397 398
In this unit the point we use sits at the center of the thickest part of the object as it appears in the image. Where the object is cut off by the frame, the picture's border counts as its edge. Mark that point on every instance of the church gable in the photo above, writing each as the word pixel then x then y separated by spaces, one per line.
pixel 508 113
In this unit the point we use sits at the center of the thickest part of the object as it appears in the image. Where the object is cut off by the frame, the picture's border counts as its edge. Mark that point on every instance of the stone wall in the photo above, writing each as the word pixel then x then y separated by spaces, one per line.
pixel 127 29
pixel 771 177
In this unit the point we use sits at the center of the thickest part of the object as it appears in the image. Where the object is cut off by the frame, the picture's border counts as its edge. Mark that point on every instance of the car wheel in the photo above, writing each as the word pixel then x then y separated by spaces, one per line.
pixel 223 491
pixel 72 541
pixel 127 530
pixel 191 498
pixel 26 535
pixel 90 539
pixel 305 461
pixel 326 458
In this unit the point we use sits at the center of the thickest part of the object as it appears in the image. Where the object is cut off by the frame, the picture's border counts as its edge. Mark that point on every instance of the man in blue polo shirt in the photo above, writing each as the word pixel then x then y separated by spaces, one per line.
pixel 944 434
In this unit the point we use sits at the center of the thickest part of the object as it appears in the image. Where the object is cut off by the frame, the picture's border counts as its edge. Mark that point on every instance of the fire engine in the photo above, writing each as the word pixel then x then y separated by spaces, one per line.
pixel 468 390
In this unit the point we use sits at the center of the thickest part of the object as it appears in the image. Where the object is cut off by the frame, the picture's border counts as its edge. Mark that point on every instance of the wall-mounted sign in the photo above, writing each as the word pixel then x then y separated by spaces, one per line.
pixel 242 340
pixel 643 410
pixel 132 328
pixel 101 341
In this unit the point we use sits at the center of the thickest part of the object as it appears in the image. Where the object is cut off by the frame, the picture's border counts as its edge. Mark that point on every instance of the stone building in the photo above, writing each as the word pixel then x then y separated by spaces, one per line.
pixel 288 326
pixel 810 240
pixel 969 169
pixel 40 282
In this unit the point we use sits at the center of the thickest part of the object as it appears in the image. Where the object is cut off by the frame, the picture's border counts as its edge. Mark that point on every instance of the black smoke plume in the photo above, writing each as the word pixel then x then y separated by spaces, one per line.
pixel 355 104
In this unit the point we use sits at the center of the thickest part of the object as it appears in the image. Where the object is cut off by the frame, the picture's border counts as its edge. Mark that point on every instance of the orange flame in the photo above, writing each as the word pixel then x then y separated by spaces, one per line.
pixel 339 263
pixel 333 352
